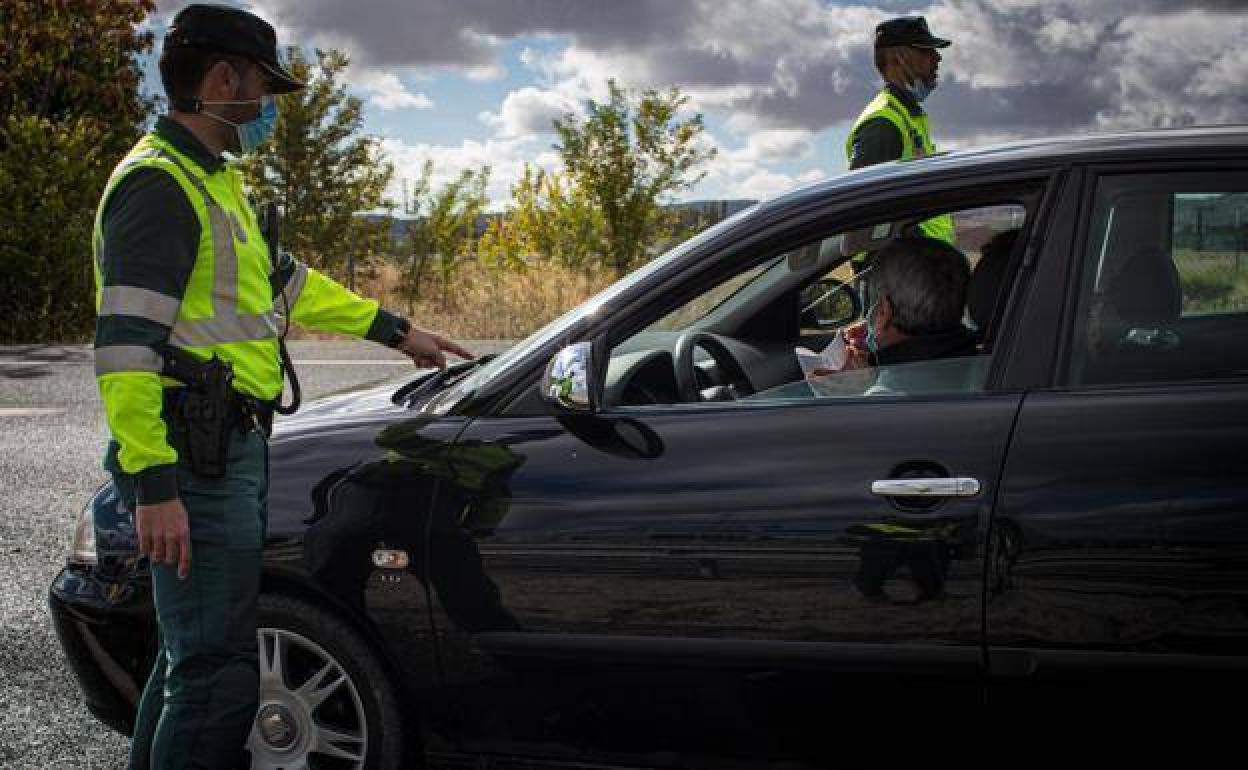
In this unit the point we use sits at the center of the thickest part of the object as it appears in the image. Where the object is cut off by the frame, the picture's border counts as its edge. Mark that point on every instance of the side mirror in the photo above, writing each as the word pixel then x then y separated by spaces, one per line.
pixel 569 379
pixel 829 304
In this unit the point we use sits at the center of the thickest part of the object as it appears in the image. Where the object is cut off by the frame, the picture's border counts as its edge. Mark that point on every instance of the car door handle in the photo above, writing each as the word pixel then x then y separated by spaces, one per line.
pixel 939 487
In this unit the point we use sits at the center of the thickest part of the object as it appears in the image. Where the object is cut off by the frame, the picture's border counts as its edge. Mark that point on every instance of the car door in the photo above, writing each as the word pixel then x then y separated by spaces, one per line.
pixel 1120 541
pixel 705 584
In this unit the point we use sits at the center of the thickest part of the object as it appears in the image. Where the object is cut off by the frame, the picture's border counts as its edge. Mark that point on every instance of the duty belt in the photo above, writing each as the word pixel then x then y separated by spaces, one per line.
pixel 246 413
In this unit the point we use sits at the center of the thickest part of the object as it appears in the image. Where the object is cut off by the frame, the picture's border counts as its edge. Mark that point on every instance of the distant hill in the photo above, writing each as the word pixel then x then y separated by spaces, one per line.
pixel 689 211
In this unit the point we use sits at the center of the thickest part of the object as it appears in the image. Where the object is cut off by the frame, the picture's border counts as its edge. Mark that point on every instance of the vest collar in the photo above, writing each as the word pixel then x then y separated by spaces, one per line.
pixel 188 144
pixel 906 99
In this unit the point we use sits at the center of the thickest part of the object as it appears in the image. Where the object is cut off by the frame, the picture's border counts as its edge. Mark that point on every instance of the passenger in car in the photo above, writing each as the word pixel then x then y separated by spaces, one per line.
pixel 920 285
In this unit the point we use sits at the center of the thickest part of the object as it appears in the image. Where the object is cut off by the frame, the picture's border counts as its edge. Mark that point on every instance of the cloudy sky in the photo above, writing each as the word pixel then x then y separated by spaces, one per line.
pixel 476 82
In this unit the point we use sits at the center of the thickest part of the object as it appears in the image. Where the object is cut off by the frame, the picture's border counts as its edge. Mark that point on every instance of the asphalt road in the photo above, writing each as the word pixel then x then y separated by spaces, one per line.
pixel 52 436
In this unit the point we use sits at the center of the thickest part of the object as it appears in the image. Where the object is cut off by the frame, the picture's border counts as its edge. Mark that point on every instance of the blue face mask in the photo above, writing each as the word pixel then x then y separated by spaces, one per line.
pixel 873 344
pixel 919 89
pixel 254 132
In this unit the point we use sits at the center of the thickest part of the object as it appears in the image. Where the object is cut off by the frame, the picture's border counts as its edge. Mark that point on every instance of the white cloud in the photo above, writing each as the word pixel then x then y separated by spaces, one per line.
pixel 486 73
pixel 529 111
pixel 1179 69
pixel 778 144
pixel 1026 67
pixel 505 157
pixel 764 184
pixel 742 173
pixel 386 91
pixel 776 73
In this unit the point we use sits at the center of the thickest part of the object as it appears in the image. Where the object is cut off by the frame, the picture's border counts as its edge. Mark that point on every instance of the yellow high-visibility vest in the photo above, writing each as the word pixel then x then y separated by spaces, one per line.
pixel 916 141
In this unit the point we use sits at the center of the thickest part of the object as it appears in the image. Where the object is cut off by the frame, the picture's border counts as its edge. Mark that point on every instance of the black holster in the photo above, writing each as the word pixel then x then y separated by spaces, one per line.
pixel 202 414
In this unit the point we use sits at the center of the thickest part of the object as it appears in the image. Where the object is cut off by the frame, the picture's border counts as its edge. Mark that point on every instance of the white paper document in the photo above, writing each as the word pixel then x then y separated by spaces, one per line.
pixel 832 357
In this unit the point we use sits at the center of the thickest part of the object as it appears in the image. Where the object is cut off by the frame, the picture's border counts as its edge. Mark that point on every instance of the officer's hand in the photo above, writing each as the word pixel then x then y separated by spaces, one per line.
pixel 164 535
pixel 428 349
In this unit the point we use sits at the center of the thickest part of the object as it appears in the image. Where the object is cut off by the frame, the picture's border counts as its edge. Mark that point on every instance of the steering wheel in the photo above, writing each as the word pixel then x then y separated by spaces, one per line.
pixel 686 371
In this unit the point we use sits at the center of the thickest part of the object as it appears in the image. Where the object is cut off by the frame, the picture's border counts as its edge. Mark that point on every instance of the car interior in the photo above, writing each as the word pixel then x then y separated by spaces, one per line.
pixel 1163 298
pixel 736 341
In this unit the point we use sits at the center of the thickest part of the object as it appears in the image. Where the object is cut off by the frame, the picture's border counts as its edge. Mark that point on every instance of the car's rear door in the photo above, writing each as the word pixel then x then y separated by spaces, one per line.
pixel 1120 542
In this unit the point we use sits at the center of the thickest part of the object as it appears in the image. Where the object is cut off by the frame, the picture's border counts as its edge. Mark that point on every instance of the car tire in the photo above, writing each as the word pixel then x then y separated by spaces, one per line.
pixel 325 694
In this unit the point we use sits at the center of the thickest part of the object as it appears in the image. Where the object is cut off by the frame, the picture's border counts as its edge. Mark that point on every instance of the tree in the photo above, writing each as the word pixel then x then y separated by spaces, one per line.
pixel 444 231
pixel 628 156
pixel 70 107
pixel 551 220
pixel 318 167
pixel 76 59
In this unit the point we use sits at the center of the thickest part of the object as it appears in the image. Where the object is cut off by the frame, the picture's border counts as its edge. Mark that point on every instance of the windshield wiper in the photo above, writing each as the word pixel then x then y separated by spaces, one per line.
pixel 438 379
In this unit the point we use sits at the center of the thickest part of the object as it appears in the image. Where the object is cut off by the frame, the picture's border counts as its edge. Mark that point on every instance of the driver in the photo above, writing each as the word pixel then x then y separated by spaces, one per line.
pixel 920 287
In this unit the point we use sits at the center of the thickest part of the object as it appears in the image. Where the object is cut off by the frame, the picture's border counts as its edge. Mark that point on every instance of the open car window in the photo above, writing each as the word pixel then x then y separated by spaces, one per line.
pixel 805 298
pixel 704 304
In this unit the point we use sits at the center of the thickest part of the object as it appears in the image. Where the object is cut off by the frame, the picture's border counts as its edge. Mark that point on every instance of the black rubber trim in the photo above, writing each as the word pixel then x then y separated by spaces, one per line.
pixel 733 653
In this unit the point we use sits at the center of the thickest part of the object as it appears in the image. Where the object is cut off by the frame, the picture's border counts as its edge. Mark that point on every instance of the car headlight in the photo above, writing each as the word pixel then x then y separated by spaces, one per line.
pixel 82 551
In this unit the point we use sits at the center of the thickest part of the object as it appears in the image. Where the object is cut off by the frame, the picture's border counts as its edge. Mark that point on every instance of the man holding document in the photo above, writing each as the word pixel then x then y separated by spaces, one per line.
pixel 919 285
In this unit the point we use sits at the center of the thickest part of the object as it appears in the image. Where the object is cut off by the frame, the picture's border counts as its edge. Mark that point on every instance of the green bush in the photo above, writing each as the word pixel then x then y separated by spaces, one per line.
pixel 50 176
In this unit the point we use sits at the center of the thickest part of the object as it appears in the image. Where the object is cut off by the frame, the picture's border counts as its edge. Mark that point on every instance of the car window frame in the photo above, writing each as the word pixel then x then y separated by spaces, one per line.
pixel 1033 189
pixel 778 220
pixel 1092 173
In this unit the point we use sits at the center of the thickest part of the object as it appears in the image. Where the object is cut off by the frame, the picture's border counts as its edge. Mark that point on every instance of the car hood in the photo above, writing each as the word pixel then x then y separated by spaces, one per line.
pixel 332 413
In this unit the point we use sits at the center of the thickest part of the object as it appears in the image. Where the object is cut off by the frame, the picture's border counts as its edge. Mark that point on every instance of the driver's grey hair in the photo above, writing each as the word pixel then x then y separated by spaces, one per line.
pixel 925 281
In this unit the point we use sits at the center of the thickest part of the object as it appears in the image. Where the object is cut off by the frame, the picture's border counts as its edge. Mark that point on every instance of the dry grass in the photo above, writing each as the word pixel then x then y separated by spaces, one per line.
pixel 481 304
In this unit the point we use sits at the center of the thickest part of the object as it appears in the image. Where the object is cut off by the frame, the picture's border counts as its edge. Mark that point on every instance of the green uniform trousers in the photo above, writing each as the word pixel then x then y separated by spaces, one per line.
pixel 201 697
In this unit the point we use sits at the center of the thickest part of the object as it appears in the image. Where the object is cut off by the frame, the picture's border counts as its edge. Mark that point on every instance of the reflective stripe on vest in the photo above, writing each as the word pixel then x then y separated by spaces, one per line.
pixel 294 287
pixel 227 324
pixel 140 303
pixel 126 358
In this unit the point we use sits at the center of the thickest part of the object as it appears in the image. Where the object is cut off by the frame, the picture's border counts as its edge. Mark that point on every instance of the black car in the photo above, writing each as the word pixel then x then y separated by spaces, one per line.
pixel 641 538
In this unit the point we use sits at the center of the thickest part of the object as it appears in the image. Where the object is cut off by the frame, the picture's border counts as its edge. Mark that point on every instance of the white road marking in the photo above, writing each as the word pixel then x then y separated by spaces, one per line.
pixel 307 362
pixel 353 361
pixel 29 411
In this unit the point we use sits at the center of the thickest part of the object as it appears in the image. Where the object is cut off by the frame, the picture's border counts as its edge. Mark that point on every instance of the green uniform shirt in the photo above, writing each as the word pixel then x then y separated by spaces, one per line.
pixel 150 238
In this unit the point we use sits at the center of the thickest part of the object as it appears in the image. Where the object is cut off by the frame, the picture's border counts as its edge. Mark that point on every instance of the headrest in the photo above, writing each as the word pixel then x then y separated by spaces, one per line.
pixel 985 286
pixel 1147 289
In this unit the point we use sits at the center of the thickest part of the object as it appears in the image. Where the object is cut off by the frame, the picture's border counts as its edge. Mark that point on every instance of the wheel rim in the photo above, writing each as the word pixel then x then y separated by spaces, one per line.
pixel 310 714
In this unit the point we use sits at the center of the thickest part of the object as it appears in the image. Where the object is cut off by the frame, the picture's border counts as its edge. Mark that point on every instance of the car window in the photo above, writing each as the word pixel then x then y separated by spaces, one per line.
pixel 1164 291
pixel 827 285
pixel 481 378
pixel 699 307
pixel 1208 246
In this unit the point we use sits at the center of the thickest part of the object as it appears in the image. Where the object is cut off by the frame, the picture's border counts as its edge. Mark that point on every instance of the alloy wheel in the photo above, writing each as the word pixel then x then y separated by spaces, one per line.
pixel 310 715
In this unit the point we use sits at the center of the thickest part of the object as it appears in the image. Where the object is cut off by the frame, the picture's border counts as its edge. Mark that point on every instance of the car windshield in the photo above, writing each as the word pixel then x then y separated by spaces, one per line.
pixel 542 337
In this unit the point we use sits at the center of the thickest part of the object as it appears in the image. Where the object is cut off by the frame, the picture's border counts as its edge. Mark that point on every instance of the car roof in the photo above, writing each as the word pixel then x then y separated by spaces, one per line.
pixel 1049 151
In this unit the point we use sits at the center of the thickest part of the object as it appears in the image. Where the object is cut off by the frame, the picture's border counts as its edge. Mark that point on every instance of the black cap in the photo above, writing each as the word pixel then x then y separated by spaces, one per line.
pixel 232 30
pixel 907 30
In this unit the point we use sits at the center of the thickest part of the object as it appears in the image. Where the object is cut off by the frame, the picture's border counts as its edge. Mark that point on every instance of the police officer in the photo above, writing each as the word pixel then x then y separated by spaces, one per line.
pixel 183 269
pixel 893 125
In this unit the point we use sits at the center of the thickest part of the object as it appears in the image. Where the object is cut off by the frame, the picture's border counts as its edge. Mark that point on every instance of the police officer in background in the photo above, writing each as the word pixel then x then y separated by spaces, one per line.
pixel 187 295
pixel 893 126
